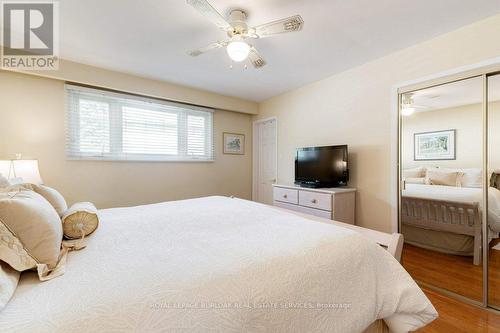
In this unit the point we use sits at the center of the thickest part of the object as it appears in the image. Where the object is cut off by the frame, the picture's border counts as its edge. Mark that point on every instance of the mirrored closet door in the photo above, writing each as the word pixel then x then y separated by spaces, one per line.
pixel 441 191
pixel 494 190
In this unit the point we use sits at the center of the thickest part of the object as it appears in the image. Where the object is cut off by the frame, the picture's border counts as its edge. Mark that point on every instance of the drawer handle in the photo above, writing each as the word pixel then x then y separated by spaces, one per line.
pixel 285 196
pixel 314 201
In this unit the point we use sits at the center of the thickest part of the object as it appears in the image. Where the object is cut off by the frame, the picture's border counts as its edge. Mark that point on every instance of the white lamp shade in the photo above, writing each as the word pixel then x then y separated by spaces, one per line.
pixel 5 168
pixel 27 170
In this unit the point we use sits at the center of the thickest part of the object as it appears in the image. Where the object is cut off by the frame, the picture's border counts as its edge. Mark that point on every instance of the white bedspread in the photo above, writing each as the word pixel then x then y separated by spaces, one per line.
pixel 219 264
pixel 459 194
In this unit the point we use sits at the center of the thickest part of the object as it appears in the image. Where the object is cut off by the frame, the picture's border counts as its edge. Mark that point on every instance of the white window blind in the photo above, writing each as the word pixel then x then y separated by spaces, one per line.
pixel 114 126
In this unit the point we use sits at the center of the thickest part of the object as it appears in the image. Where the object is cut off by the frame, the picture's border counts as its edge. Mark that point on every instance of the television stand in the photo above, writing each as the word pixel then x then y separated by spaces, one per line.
pixel 337 203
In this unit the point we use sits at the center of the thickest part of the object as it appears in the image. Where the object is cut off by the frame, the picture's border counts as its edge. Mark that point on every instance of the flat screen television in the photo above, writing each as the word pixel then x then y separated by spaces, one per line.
pixel 322 166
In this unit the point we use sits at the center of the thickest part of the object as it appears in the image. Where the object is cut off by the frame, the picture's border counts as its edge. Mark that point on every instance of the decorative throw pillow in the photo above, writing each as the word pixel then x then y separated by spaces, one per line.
pixel 419 180
pixel 443 177
pixel 30 232
pixel 80 220
pixel 53 196
pixel 50 194
pixel 414 173
pixel 9 279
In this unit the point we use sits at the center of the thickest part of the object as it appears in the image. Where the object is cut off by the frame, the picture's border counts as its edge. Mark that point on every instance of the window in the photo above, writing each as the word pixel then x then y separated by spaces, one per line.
pixel 111 126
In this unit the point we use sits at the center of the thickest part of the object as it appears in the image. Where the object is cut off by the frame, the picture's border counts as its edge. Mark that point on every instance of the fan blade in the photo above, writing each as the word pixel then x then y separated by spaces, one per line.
pixel 213 46
pixel 290 24
pixel 210 13
pixel 255 58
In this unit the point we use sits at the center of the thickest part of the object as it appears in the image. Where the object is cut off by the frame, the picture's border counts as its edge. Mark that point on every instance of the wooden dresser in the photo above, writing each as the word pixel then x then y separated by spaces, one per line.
pixel 332 203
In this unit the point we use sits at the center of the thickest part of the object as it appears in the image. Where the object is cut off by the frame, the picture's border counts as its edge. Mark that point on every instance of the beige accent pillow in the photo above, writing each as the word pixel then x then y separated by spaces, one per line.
pixel 53 196
pixel 443 177
pixel 80 220
pixel 419 180
pixel 30 232
pixel 50 194
pixel 9 278
pixel 414 173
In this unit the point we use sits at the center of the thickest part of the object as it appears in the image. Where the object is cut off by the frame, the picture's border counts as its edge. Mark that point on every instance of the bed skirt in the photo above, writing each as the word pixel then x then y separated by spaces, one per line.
pixel 441 241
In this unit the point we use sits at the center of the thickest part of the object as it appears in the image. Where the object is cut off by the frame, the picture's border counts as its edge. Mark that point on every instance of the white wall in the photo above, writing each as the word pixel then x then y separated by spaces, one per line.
pixel 355 108
pixel 467 120
pixel 32 117
pixel 105 78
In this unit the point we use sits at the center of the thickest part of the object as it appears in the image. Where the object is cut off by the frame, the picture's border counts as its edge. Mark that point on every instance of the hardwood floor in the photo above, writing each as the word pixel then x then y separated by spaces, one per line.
pixel 459 275
pixel 458 317
pixel 453 273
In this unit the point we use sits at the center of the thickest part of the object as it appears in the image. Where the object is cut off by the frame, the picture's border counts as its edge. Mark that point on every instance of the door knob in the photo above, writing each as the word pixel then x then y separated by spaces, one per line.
pixel 314 201
pixel 285 196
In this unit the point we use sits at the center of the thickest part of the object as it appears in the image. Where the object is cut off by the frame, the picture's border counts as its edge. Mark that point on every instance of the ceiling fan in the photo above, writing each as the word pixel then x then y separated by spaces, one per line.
pixel 408 107
pixel 238 31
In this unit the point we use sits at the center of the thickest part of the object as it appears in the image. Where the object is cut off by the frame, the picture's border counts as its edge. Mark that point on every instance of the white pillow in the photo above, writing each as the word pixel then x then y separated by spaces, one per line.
pixel 472 177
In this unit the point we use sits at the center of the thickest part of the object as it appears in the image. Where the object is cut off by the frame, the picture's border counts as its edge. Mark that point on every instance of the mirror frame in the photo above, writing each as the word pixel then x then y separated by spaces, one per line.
pixel 483 70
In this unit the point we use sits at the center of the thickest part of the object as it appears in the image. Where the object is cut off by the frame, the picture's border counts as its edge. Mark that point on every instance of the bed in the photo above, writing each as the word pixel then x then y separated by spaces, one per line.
pixel 453 213
pixel 219 264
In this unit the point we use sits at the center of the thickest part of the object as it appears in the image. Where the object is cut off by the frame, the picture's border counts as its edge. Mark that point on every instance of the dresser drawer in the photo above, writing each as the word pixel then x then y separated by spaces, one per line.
pixel 306 210
pixel 315 200
pixel 286 195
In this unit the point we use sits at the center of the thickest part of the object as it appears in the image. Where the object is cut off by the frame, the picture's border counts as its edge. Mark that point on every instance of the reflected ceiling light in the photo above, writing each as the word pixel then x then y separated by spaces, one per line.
pixel 407 106
pixel 407 111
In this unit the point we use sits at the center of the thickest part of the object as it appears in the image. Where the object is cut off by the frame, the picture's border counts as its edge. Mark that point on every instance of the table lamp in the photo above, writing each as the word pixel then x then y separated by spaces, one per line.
pixel 25 169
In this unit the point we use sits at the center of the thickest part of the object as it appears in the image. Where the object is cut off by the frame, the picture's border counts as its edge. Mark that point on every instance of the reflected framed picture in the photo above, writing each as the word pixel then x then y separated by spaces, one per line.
pixel 438 145
pixel 233 143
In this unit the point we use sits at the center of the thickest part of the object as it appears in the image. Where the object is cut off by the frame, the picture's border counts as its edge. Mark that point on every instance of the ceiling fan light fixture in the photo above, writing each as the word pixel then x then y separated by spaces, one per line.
pixel 238 50
pixel 236 28
pixel 407 111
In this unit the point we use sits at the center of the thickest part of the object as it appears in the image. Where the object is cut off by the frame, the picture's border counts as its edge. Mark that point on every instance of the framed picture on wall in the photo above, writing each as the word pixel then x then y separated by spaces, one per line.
pixel 438 145
pixel 233 143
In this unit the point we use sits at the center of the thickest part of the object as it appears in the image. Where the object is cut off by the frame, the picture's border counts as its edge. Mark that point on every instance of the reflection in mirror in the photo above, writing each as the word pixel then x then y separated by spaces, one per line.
pixel 494 190
pixel 441 194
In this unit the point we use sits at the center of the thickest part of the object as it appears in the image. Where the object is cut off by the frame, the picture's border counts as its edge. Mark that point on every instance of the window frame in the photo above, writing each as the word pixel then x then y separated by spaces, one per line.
pixel 75 93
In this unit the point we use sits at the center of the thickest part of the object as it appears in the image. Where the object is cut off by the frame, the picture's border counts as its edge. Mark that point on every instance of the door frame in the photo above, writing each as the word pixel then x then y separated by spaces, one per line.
pixel 482 69
pixel 255 151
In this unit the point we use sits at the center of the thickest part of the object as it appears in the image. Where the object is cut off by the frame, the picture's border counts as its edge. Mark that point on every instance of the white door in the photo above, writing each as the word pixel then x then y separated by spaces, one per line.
pixel 265 151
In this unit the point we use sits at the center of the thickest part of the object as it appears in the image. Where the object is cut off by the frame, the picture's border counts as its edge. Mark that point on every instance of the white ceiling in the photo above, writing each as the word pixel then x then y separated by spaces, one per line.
pixel 151 38
pixel 465 92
